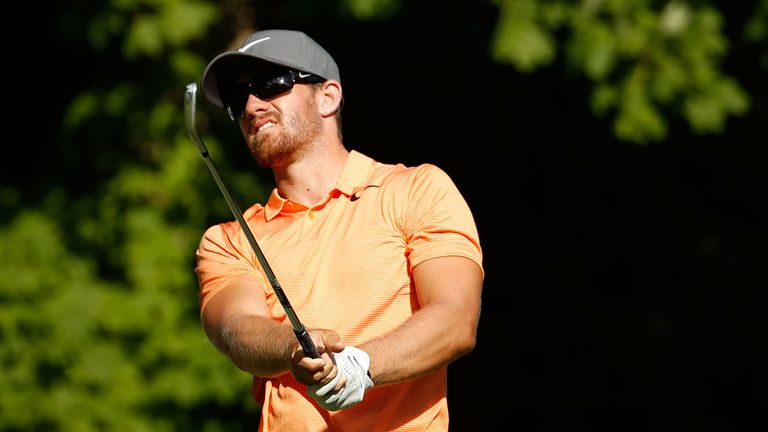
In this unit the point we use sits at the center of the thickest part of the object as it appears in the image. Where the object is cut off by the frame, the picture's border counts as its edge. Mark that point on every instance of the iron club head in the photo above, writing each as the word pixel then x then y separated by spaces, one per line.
pixel 190 108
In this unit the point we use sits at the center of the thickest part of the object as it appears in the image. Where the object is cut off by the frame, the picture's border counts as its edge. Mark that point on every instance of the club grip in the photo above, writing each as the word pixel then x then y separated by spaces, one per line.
pixel 306 343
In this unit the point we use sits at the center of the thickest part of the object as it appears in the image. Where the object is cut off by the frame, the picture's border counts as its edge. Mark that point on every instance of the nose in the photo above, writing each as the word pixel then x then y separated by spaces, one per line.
pixel 254 106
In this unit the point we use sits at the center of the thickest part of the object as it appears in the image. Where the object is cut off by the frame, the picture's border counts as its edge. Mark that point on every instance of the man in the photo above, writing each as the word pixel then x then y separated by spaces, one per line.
pixel 381 262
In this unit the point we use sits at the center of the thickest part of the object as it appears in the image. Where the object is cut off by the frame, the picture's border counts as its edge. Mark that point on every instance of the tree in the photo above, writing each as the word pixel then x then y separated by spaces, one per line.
pixel 646 61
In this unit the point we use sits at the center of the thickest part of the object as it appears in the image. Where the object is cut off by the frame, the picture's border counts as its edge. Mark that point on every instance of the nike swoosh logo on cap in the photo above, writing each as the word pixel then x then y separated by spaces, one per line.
pixel 301 75
pixel 254 43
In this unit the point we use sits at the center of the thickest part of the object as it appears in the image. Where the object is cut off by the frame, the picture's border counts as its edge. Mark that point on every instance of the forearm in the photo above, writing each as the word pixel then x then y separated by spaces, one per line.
pixel 431 338
pixel 257 344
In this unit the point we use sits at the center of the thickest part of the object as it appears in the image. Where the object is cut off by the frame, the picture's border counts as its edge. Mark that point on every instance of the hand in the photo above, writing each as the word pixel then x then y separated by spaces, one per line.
pixel 347 388
pixel 312 371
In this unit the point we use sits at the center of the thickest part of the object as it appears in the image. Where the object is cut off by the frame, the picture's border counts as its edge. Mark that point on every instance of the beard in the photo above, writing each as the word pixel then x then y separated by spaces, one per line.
pixel 289 143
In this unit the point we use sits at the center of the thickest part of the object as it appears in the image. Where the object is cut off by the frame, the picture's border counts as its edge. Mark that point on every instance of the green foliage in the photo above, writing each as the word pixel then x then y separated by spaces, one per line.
pixel 520 38
pixel 149 27
pixel 756 29
pixel 644 60
pixel 99 320
pixel 73 342
pixel 372 9
pixel 168 24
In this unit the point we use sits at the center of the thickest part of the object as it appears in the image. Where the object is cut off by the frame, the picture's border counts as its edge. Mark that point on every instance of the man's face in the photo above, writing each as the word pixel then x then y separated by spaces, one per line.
pixel 281 129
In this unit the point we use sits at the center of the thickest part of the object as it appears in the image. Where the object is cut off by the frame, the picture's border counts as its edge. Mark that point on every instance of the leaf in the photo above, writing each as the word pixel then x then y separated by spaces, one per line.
pixel 519 40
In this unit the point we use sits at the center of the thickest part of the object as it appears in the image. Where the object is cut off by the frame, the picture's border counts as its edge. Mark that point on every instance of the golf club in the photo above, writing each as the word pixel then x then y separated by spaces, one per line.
pixel 190 102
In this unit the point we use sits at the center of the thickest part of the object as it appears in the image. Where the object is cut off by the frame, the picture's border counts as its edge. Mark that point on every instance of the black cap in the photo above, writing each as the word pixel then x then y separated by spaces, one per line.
pixel 265 49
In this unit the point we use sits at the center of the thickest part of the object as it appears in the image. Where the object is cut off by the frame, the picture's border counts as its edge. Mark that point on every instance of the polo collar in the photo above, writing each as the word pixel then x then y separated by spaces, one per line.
pixel 354 176
pixel 356 173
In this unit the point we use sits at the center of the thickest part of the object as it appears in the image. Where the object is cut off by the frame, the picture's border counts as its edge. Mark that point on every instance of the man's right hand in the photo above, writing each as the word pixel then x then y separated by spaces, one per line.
pixel 317 371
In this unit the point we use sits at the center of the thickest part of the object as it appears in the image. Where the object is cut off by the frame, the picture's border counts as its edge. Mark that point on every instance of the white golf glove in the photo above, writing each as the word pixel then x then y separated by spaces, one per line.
pixel 353 364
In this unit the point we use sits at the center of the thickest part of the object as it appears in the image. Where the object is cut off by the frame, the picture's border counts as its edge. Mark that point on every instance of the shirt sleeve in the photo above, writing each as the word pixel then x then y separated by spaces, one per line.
pixel 224 257
pixel 438 222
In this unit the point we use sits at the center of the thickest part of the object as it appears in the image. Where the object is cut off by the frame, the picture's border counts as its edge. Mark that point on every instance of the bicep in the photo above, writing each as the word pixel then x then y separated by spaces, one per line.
pixel 453 282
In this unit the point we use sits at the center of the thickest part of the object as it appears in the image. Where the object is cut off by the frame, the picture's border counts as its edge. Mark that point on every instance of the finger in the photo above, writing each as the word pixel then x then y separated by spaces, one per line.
pixel 328 368
pixel 337 346
pixel 328 376
pixel 340 384
pixel 310 370
pixel 314 365
pixel 332 342
pixel 326 340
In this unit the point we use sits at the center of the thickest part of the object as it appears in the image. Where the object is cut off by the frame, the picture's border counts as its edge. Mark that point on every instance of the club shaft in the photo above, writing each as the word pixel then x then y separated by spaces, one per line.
pixel 298 328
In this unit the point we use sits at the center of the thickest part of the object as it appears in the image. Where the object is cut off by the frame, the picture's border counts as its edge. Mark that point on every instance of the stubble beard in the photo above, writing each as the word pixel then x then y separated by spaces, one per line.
pixel 291 142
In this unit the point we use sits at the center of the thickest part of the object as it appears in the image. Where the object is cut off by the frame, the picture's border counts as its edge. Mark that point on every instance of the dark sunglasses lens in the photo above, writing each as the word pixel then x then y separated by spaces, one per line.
pixel 262 87
pixel 235 99
pixel 271 87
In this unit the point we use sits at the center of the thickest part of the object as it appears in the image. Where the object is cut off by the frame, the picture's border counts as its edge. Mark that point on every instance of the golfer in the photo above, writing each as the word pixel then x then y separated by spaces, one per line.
pixel 381 261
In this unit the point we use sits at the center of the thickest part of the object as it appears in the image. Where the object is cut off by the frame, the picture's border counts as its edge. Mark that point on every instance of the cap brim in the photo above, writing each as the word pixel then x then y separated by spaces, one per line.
pixel 224 68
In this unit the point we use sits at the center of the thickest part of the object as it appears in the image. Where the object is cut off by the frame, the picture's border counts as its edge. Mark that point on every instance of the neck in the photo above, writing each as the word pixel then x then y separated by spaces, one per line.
pixel 311 178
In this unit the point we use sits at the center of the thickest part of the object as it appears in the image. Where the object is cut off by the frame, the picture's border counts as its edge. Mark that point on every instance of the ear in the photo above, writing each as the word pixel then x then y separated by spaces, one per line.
pixel 330 98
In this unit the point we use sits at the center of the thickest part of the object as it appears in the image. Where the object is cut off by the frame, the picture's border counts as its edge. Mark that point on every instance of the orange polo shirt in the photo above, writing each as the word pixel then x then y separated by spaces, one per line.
pixel 345 264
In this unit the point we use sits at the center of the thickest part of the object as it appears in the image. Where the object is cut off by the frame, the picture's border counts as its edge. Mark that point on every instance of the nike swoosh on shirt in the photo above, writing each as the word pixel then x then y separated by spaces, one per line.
pixel 355 195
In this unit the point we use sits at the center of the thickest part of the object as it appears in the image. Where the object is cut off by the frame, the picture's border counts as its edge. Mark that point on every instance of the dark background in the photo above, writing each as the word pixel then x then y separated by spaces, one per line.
pixel 625 284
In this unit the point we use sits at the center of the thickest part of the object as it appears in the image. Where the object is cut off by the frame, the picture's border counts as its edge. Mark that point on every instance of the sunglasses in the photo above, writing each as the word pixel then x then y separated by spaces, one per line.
pixel 264 86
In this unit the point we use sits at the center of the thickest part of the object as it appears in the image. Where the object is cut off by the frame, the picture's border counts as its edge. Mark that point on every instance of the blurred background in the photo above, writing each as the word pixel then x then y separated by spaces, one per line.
pixel 613 154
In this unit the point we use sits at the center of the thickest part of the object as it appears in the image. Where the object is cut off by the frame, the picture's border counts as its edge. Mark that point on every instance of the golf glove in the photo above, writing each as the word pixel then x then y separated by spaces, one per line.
pixel 353 364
